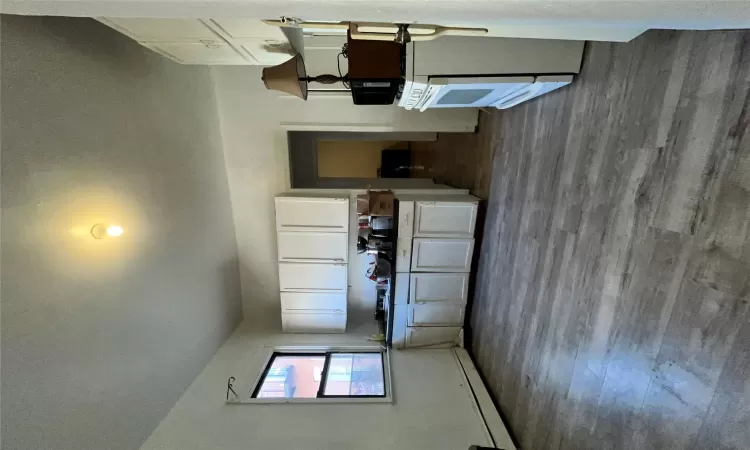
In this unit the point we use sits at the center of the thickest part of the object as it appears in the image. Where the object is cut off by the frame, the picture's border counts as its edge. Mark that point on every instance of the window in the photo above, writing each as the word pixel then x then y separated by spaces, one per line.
pixel 325 374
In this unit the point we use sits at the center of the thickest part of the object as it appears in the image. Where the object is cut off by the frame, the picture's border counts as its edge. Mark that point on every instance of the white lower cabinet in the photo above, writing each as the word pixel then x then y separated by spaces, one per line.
pixel 445 219
pixel 442 255
pixel 313 247
pixel 312 277
pixel 438 287
pixel 328 215
pixel 436 314
pixel 313 301
pixel 297 246
pixel 432 336
pixel 313 322
pixel 403 255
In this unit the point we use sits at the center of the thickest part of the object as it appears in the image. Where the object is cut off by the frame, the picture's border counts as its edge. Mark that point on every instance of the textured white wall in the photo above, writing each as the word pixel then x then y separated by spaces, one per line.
pixel 432 409
pixel 253 122
pixel 100 338
pixel 635 14
pixel 594 14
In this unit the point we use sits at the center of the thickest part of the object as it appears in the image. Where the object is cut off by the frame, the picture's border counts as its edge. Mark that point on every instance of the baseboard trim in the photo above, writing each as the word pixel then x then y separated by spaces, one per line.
pixel 492 420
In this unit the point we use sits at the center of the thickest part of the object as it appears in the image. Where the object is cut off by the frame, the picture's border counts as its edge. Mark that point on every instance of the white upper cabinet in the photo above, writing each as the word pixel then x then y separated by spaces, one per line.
pixel 162 30
pixel 329 215
pixel 266 44
pixel 212 52
pixel 209 41
pixel 442 255
pixel 297 246
pixel 445 219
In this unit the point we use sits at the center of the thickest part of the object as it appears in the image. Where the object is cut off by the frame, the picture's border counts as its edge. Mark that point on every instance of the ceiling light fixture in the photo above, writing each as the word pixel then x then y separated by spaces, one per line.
pixel 101 231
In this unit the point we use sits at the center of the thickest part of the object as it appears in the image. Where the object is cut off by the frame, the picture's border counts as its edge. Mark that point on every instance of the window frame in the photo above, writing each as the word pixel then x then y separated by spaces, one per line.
pixel 321 398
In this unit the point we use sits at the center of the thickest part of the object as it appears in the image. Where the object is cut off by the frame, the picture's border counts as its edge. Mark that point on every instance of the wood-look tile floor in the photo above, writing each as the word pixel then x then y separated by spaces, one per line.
pixel 611 301
pixel 460 160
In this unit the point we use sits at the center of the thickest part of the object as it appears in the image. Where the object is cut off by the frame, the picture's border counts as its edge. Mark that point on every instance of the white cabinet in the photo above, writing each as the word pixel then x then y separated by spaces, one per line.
pixel 296 246
pixel 313 322
pixel 437 299
pixel 312 234
pixel 438 287
pixel 434 250
pixel 312 214
pixel 267 45
pixel 445 219
pixel 161 30
pixel 312 277
pixel 442 255
pixel 436 314
pixel 313 302
pixel 432 336
pixel 214 52
pixel 405 219
pixel 232 41
pixel 403 255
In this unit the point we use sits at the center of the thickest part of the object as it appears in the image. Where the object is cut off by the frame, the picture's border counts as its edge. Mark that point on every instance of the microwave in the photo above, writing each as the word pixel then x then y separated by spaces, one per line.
pixel 499 92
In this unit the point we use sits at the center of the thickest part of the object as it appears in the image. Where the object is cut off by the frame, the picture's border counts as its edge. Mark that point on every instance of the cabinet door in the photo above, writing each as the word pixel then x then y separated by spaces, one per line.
pixel 405 219
pixel 312 247
pixel 403 255
pixel 445 314
pixel 313 302
pixel 442 255
pixel 445 219
pixel 432 336
pixel 438 287
pixel 312 277
pixel 312 214
pixel 313 322
pixel 209 52
pixel 161 30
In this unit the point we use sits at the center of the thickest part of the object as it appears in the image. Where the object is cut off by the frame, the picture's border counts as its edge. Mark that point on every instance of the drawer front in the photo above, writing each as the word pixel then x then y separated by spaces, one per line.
pixel 445 219
pixel 312 277
pixel 313 302
pixel 312 247
pixel 313 322
pixel 405 219
pixel 432 336
pixel 442 255
pixel 438 287
pixel 312 214
pixel 445 314
pixel 403 255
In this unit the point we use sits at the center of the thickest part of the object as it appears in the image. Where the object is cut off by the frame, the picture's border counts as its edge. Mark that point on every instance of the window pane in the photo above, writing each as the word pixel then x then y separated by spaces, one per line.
pixel 293 377
pixel 355 374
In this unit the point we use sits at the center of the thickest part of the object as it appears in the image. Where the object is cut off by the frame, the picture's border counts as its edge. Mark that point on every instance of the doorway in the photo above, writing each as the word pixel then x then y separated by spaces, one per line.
pixel 359 160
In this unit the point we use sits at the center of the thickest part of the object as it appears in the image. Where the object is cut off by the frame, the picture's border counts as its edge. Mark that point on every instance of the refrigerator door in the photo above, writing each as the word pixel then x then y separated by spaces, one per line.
pixel 543 85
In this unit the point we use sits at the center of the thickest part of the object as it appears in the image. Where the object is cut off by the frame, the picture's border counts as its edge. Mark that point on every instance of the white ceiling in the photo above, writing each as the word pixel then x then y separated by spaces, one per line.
pixel 679 14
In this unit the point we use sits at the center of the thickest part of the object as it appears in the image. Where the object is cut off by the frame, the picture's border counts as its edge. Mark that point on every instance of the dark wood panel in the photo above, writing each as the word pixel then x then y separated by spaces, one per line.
pixel 611 299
